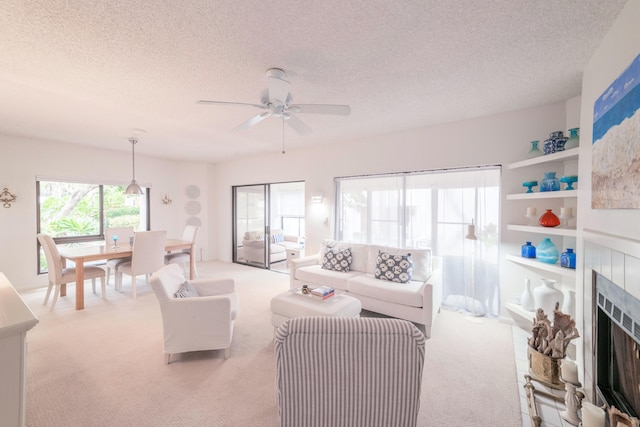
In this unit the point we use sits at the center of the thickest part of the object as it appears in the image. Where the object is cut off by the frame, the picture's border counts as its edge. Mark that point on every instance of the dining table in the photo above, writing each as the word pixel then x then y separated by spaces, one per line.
pixel 80 255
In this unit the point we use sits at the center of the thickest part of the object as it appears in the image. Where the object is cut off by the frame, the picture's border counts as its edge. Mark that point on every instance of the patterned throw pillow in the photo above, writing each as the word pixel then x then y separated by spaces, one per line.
pixel 186 290
pixel 337 260
pixel 277 238
pixel 394 268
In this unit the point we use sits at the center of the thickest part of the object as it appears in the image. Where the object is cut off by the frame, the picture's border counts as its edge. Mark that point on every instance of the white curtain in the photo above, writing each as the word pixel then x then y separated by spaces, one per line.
pixel 432 209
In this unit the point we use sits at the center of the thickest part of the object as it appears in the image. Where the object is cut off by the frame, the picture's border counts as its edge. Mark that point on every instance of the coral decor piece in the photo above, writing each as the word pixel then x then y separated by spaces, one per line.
pixel 552 339
pixel 549 219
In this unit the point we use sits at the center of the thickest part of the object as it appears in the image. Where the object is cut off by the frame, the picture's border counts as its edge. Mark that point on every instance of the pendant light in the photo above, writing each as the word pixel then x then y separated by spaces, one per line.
pixel 133 188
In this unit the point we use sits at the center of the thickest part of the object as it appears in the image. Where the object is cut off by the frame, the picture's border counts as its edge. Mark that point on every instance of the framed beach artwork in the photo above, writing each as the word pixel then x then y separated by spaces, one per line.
pixel 615 176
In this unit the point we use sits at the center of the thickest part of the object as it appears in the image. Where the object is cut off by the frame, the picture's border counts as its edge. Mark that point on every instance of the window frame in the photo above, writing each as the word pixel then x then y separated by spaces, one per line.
pixel 84 238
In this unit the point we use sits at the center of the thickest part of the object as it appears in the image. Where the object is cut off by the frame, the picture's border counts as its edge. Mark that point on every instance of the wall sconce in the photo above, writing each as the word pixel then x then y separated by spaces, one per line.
pixel 316 198
pixel 166 199
pixel 6 198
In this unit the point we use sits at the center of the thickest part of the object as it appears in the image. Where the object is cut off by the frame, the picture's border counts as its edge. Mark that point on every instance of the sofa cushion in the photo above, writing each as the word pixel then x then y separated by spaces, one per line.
pixel 277 238
pixel 276 248
pixel 410 293
pixel 186 290
pixel 394 268
pixel 421 260
pixel 317 275
pixel 359 253
pixel 253 235
pixel 337 260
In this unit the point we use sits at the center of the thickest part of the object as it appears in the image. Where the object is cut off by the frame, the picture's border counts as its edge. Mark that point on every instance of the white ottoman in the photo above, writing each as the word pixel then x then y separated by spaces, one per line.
pixel 289 305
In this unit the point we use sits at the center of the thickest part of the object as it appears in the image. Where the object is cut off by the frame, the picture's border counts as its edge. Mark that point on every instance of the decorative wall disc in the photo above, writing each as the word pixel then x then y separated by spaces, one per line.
pixel 192 207
pixel 193 220
pixel 192 191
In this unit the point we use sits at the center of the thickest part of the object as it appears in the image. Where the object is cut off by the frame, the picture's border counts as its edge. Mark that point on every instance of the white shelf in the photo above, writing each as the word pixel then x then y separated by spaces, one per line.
pixel 534 263
pixel 543 195
pixel 554 231
pixel 521 312
pixel 555 157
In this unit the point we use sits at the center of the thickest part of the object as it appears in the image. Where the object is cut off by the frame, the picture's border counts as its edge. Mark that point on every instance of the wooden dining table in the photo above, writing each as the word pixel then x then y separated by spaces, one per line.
pixel 82 254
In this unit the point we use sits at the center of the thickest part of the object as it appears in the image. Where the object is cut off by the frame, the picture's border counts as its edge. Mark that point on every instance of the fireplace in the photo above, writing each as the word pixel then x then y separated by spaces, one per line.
pixel 617 346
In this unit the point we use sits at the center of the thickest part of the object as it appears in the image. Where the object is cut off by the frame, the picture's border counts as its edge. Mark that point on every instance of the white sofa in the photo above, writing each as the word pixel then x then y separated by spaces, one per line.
pixel 253 246
pixel 417 300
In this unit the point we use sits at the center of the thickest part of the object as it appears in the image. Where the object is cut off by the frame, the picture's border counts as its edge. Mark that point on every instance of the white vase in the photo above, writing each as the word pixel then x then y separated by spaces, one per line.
pixel 526 299
pixel 569 306
pixel 546 296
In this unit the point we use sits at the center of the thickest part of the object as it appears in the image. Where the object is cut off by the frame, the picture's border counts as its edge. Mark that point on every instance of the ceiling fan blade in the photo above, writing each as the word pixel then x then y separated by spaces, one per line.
pixel 297 124
pixel 253 120
pixel 340 110
pixel 230 103
pixel 278 90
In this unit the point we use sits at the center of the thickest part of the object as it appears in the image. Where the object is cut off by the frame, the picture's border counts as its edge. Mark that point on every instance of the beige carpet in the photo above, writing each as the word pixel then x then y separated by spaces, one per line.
pixel 104 366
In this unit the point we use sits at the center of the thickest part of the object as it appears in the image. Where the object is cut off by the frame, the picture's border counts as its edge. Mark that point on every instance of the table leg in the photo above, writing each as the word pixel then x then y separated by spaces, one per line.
pixel 80 284
pixel 192 263
pixel 63 287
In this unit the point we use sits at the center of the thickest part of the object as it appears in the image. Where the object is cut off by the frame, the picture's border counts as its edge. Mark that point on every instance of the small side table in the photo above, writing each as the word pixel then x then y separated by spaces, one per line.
pixel 294 254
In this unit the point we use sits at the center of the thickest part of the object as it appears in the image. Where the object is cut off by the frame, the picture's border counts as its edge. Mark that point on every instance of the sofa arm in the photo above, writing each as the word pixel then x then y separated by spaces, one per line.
pixel 208 286
pixel 291 238
pixel 294 264
pixel 432 292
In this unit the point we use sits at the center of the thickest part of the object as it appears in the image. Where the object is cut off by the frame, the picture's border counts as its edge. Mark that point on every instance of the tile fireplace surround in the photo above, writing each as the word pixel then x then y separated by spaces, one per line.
pixel 617 259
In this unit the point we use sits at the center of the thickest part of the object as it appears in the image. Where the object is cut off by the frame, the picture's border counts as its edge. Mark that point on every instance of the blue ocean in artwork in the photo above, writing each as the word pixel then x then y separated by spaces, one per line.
pixel 620 101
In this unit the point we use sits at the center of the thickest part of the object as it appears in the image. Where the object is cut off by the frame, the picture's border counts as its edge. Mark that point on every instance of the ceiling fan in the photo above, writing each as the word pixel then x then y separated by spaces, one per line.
pixel 276 101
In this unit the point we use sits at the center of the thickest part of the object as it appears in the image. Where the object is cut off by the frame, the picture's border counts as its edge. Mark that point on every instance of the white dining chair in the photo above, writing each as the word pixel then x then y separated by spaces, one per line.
pixel 183 257
pixel 148 257
pixel 123 234
pixel 59 275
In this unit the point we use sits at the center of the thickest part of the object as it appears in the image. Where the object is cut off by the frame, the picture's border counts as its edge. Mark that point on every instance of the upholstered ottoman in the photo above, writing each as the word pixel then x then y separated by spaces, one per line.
pixel 290 304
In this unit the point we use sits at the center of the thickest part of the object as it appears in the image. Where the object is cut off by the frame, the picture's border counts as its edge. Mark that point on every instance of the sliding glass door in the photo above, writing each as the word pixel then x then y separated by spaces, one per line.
pixel 259 212
pixel 251 234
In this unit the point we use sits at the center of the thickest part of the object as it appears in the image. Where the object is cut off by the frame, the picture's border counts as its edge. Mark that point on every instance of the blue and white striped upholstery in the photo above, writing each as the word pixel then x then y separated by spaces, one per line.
pixel 355 372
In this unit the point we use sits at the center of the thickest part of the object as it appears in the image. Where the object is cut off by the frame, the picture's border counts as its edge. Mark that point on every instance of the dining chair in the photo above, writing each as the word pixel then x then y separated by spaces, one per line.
pixel 183 257
pixel 148 257
pixel 59 275
pixel 123 234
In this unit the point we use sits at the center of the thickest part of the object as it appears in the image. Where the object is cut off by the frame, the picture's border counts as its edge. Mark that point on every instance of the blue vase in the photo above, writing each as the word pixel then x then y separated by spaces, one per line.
pixel 556 142
pixel 568 259
pixel 528 250
pixel 550 182
pixel 547 252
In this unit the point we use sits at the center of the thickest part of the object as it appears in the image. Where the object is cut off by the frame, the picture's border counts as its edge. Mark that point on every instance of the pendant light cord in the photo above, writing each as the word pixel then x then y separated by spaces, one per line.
pixel 133 156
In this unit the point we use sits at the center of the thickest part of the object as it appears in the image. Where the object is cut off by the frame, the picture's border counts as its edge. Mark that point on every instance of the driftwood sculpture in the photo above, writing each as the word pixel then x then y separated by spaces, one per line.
pixel 549 339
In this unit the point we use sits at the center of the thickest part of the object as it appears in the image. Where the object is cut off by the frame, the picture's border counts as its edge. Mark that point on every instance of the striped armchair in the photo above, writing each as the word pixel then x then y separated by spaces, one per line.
pixel 352 372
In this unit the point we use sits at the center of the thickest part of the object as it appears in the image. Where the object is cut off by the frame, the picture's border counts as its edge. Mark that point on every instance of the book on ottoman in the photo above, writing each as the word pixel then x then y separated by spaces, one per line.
pixel 323 292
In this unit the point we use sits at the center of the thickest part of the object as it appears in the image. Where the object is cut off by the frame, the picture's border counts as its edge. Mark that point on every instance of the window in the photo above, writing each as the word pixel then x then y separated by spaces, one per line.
pixel 78 213
pixel 429 209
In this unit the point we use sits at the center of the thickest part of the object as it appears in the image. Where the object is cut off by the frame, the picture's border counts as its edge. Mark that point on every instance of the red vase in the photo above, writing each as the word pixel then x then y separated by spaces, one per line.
pixel 549 219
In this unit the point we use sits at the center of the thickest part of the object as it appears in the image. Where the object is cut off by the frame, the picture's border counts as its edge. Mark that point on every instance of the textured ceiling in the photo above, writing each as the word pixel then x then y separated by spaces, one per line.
pixel 91 71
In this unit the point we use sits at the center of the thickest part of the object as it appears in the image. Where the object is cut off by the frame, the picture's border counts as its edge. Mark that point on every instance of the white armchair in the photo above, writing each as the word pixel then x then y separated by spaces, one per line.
pixel 196 323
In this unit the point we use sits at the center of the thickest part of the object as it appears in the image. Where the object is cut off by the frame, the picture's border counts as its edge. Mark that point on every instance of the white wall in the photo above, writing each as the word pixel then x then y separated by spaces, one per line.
pixel 617 50
pixel 619 47
pixel 24 159
pixel 492 140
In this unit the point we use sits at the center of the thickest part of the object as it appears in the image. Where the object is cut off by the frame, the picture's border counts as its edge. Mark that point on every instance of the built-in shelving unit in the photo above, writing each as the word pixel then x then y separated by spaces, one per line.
pixel 560 161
